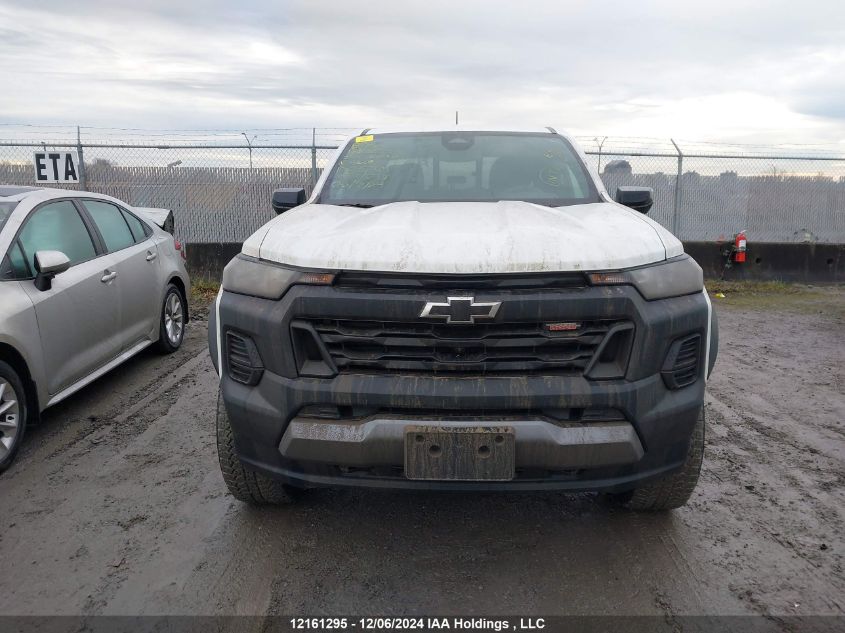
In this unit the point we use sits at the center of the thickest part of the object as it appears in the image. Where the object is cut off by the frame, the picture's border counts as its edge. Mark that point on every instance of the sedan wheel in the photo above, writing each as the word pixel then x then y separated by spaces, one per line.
pixel 174 319
pixel 10 419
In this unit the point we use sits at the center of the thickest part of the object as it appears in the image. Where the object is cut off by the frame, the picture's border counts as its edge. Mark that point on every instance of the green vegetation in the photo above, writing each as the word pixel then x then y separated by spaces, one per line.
pixel 755 287
pixel 778 295
pixel 203 291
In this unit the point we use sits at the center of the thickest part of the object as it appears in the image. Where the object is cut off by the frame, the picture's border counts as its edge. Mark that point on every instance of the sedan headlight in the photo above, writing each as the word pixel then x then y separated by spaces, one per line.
pixel 256 278
pixel 672 278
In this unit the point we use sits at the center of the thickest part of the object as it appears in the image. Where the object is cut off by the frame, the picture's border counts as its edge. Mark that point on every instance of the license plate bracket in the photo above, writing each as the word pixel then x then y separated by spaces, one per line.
pixel 459 453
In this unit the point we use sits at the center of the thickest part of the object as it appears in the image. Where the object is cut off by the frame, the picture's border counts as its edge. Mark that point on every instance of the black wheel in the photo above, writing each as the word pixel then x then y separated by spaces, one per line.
pixel 245 485
pixel 172 325
pixel 13 414
pixel 675 490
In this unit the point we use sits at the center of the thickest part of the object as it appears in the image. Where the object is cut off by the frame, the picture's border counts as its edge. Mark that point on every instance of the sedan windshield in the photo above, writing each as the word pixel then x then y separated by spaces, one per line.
pixel 459 166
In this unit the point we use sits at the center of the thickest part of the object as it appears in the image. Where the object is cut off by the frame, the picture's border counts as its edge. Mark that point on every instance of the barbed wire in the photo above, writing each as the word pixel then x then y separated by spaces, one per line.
pixel 618 146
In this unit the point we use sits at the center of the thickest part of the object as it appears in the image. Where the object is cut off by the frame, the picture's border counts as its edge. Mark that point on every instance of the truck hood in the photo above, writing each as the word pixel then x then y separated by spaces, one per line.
pixel 463 237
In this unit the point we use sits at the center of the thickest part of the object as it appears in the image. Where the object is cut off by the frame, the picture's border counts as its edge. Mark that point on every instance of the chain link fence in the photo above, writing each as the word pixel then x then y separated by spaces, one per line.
pixel 704 192
pixel 219 184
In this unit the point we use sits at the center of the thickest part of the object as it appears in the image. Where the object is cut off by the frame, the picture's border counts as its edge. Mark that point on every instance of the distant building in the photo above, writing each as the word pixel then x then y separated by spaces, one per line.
pixel 618 167
pixel 691 178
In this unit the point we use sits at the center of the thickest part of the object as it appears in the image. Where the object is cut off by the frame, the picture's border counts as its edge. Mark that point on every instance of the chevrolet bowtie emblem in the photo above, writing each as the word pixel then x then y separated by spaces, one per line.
pixel 460 310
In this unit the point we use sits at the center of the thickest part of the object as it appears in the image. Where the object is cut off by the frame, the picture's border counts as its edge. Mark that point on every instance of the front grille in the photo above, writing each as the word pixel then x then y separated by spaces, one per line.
pixel 356 346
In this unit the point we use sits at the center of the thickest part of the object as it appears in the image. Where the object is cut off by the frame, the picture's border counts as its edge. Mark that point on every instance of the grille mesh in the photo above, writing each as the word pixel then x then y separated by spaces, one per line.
pixel 472 349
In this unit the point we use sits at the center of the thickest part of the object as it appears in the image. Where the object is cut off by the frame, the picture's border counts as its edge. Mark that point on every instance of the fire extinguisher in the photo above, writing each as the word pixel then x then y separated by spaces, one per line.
pixel 740 246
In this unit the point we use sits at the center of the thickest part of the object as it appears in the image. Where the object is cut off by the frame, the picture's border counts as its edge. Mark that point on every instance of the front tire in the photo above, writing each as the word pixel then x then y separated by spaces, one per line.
pixel 669 493
pixel 245 485
pixel 172 321
pixel 13 414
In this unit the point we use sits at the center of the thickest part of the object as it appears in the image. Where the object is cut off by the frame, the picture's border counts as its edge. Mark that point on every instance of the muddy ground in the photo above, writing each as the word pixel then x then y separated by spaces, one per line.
pixel 116 506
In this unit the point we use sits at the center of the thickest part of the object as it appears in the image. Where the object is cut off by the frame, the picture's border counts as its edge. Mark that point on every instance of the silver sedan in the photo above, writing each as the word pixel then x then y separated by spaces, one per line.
pixel 86 282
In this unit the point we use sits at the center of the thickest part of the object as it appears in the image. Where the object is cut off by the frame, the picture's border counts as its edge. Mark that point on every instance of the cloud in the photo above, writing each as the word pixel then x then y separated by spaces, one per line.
pixel 762 70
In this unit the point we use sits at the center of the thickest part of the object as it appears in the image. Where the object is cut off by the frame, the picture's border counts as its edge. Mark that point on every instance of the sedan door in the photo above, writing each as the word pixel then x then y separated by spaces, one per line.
pixel 139 282
pixel 79 316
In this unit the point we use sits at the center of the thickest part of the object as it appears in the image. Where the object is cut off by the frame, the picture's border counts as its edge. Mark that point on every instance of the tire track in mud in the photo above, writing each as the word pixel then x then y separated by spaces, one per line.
pixel 95 492
pixel 123 424
pixel 755 498
pixel 774 449
pixel 75 419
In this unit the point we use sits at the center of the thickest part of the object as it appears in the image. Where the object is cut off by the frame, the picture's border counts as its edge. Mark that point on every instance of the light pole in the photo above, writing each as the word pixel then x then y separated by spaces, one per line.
pixel 604 138
pixel 249 145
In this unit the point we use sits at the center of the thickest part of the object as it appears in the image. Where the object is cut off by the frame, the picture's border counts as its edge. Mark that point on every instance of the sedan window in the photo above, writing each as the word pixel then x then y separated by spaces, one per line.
pixel 18 262
pixel 57 227
pixel 6 209
pixel 113 227
pixel 14 265
pixel 136 227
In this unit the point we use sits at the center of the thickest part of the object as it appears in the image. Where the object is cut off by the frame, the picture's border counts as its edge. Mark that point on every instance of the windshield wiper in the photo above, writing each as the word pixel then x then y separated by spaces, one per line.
pixel 358 205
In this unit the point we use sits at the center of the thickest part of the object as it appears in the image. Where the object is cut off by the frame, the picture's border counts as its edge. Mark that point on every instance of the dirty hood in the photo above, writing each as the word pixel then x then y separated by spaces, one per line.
pixel 463 237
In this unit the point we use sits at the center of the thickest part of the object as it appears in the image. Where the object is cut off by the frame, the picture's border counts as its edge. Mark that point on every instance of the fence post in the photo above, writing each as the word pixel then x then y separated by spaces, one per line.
pixel 83 180
pixel 678 189
pixel 313 158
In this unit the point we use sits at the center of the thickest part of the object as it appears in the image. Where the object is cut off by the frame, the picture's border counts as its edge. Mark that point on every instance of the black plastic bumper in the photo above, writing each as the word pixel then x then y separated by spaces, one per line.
pixel 662 418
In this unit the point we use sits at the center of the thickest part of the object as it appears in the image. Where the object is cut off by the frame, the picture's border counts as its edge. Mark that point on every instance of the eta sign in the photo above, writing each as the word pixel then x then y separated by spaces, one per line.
pixel 56 167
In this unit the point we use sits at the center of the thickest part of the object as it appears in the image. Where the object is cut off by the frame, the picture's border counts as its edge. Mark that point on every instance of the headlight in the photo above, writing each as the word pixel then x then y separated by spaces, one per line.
pixel 673 278
pixel 249 276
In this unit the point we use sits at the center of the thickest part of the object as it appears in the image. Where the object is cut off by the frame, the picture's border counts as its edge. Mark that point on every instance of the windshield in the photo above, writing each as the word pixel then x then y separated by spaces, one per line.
pixel 459 166
pixel 6 209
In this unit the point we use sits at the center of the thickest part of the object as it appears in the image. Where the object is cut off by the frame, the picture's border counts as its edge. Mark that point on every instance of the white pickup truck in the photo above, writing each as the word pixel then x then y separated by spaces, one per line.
pixel 463 310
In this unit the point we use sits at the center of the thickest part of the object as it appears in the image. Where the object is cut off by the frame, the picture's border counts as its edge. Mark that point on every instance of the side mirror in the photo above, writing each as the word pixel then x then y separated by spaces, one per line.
pixel 287 198
pixel 48 264
pixel 638 198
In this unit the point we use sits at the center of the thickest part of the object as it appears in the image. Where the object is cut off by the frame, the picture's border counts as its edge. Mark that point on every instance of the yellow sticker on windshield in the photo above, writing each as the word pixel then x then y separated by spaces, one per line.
pixel 364 139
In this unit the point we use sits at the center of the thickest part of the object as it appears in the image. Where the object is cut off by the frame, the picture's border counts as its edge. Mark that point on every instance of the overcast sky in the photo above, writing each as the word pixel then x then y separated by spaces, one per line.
pixel 758 72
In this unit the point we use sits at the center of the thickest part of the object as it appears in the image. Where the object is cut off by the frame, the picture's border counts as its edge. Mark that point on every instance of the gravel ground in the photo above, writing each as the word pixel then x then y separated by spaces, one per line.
pixel 116 506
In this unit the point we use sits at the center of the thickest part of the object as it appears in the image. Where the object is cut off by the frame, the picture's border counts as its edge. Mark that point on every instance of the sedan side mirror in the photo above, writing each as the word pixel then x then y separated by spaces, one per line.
pixel 287 198
pixel 48 264
pixel 638 198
